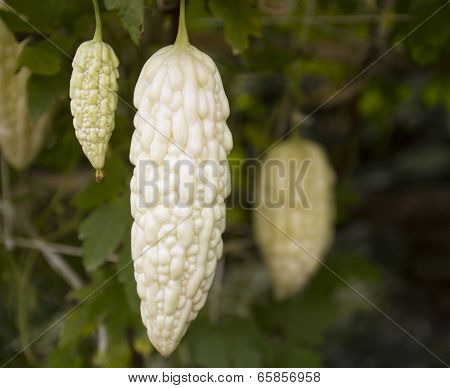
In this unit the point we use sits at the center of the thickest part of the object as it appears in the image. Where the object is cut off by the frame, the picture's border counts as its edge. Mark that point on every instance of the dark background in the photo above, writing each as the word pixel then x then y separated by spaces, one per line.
pixel 386 133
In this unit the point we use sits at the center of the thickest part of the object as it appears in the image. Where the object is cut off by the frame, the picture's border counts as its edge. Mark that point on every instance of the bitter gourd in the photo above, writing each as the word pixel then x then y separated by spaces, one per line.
pixel 176 242
pixel 301 205
pixel 20 139
pixel 93 93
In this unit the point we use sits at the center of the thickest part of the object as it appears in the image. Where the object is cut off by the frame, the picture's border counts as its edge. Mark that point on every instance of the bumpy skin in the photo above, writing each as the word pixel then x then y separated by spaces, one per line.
pixel 20 140
pixel 93 90
pixel 291 267
pixel 175 247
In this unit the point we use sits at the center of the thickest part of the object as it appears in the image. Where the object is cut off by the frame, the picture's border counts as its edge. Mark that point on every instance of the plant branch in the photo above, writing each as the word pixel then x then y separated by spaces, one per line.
pixel 310 7
pixel 7 208
pixel 59 249
pixel 23 301
pixel 54 260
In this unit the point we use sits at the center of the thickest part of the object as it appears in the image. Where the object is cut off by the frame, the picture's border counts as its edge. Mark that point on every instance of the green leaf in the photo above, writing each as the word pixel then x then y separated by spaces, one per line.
pixel 126 275
pixel 431 41
pixel 39 59
pixel 67 356
pixel 38 15
pixel 241 21
pixel 304 319
pixel 204 340
pixel 239 341
pixel 244 343
pixel 131 13
pixel 44 91
pixel 436 91
pixel 79 323
pixel 102 232
pixel 94 308
pixel 141 343
pixel 117 353
pixel 115 183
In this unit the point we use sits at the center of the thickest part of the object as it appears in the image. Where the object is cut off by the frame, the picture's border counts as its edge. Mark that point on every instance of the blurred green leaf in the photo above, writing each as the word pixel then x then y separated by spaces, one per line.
pixel 244 342
pixel 94 312
pixel 44 91
pixel 204 343
pixel 308 319
pixel 436 91
pixel 27 15
pixel 65 356
pixel 241 21
pixel 141 343
pixel 239 342
pixel 131 13
pixel 301 68
pixel 117 353
pixel 39 59
pixel 304 319
pixel 79 323
pixel 371 103
pixel 103 231
pixel 431 41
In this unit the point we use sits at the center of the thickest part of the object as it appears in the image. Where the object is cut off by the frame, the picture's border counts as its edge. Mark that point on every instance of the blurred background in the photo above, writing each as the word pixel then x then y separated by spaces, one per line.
pixel 383 122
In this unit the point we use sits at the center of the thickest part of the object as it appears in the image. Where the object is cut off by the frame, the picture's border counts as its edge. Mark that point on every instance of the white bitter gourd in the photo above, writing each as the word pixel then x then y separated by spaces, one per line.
pixel 20 139
pixel 182 112
pixel 93 93
pixel 303 213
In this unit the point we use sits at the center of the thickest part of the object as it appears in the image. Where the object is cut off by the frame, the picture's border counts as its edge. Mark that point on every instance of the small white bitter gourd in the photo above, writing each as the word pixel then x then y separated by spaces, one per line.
pixel 93 93
pixel 303 212
pixel 20 139
pixel 176 243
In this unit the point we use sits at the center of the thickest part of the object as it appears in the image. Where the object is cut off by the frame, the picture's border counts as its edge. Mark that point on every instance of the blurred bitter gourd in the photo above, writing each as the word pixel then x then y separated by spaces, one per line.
pixel 176 235
pixel 93 93
pixel 303 212
pixel 20 139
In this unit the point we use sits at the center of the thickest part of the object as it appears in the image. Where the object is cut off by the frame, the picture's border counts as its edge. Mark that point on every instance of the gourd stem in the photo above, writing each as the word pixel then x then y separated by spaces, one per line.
pixel 98 22
pixel 182 36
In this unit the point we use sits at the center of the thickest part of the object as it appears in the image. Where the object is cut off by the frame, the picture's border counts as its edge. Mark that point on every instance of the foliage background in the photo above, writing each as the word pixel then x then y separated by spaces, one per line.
pixel 387 135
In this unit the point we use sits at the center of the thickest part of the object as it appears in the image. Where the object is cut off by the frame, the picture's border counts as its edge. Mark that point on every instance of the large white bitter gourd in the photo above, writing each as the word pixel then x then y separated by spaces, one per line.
pixel 182 112
pixel 20 139
pixel 93 93
pixel 305 213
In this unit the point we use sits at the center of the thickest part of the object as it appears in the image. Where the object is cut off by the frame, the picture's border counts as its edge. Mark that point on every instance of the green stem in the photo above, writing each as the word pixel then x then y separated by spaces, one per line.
pixel 182 36
pixel 23 307
pixel 98 22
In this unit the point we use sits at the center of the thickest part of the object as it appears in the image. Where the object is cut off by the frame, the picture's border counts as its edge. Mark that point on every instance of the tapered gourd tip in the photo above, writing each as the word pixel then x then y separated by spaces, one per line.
pixel 165 353
pixel 165 350
pixel 99 176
